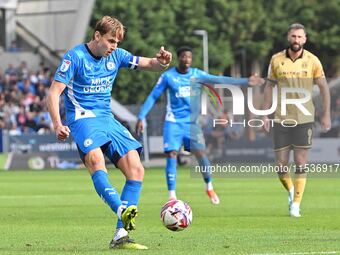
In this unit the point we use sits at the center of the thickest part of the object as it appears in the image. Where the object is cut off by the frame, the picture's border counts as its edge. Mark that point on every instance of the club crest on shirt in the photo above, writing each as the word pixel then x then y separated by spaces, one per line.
pixel 110 65
pixel 304 65
pixel 88 142
pixel 65 65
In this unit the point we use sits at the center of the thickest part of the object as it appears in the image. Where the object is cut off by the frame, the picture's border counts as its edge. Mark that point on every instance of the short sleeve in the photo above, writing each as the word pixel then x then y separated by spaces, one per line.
pixel 271 71
pixel 67 68
pixel 317 69
pixel 126 59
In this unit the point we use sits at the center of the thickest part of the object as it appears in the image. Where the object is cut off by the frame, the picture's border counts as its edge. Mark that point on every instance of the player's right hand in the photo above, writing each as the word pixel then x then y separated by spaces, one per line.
pixel 62 132
pixel 266 124
pixel 255 80
pixel 163 56
pixel 139 127
pixel 326 123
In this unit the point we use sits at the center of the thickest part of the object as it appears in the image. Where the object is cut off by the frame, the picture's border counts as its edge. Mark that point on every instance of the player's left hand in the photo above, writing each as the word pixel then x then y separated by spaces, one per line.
pixel 139 127
pixel 163 56
pixel 62 132
pixel 325 123
pixel 255 80
pixel 266 125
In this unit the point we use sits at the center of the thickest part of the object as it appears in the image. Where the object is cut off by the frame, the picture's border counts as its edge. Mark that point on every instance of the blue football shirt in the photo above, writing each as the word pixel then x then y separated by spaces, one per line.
pixel 89 80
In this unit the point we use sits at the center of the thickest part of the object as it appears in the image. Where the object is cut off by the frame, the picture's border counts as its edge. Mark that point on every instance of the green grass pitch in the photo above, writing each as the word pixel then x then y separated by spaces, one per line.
pixel 58 212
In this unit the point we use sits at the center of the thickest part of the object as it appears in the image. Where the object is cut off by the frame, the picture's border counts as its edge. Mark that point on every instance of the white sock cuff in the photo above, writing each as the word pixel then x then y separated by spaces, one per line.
pixel 120 232
pixel 209 186
pixel 295 204
pixel 119 211
pixel 172 193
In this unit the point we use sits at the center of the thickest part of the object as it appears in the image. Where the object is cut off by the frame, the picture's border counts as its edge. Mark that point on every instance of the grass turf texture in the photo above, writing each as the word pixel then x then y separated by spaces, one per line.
pixel 58 212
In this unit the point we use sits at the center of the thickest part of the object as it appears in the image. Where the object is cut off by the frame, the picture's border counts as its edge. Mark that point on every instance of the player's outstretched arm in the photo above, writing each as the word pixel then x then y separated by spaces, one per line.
pixel 326 103
pixel 139 127
pixel 52 102
pixel 268 95
pixel 159 63
pixel 253 80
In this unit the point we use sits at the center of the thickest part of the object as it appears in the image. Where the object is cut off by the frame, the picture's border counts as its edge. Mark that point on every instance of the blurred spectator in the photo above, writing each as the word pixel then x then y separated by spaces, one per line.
pixel 23 72
pixel 34 78
pixel 11 77
pixel 43 126
pixel 215 136
pixel 27 100
pixel 10 70
pixel 2 81
pixel 30 125
pixel 14 129
pixel 26 86
pixel 14 47
pixel 21 117
pixel 44 75
pixel 35 106
pixel 235 131
pixel 41 91
pixel 2 123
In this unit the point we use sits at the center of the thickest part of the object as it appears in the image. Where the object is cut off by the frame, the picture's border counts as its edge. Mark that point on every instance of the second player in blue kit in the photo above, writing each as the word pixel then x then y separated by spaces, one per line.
pixel 181 121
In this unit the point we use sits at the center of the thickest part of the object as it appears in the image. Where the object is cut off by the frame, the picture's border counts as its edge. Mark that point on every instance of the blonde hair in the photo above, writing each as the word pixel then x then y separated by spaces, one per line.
pixel 111 25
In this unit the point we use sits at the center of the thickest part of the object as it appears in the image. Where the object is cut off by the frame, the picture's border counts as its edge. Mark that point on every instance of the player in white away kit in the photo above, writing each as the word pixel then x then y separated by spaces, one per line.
pixel 86 76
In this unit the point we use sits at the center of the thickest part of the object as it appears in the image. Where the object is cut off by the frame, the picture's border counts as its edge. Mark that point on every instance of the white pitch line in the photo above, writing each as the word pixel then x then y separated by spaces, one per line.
pixel 299 253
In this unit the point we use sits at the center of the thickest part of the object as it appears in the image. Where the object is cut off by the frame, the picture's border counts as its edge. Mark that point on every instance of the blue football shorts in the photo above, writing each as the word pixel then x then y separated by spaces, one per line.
pixel 189 134
pixel 105 133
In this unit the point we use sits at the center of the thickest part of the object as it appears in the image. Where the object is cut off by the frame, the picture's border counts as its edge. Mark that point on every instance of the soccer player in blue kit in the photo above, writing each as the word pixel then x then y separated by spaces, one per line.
pixel 181 125
pixel 86 76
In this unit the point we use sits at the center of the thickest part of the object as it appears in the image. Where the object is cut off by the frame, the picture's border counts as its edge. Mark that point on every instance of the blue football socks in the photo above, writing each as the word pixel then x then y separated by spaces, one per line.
pixel 105 190
pixel 204 166
pixel 130 195
pixel 170 171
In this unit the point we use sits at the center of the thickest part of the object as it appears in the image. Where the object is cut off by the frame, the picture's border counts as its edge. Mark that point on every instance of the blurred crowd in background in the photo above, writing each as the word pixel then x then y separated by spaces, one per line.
pixel 22 99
